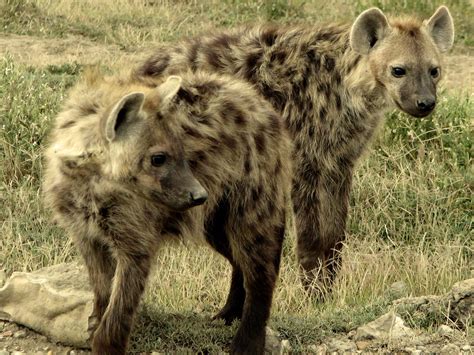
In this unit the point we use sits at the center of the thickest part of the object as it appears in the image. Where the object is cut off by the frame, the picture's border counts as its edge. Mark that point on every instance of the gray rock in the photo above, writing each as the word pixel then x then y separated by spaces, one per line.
pixel 54 301
pixel 398 289
pixel 461 301
pixel 273 343
pixel 20 334
pixel 466 347
pixel 450 349
pixel 387 327
pixel 445 331
pixel 341 345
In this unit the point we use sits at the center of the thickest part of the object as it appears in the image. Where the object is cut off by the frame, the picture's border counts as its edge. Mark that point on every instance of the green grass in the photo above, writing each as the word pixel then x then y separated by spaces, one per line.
pixel 412 209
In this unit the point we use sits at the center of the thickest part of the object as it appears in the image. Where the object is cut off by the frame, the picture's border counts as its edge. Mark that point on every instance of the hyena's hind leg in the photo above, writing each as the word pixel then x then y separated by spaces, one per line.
pixel 217 237
pixel 101 269
pixel 256 245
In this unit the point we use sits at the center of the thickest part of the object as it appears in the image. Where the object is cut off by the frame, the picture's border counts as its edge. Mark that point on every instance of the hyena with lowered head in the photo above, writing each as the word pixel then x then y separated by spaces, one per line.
pixel 127 161
pixel 332 84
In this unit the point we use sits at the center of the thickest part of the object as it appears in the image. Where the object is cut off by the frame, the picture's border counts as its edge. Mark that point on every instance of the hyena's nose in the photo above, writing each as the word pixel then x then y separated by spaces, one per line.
pixel 198 197
pixel 425 105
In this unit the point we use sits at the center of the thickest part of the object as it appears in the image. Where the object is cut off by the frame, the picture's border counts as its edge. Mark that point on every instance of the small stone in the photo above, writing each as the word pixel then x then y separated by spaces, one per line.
pixel 157 353
pixel 272 341
pixel 466 347
pixel 20 334
pixel 18 353
pixel 388 326
pixel 398 290
pixel 362 344
pixel 450 349
pixel 318 349
pixel 416 352
pixel 285 346
pixel 445 331
pixel 341 345
pixel 6 334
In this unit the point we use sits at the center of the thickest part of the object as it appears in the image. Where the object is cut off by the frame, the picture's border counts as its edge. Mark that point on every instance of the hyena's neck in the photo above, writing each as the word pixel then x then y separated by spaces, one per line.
pixel 314 77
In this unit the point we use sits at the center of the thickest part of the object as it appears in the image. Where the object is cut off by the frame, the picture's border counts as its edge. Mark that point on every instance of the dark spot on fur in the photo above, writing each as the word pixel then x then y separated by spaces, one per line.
pixel 278 56
pixel 277 98
pixel 231 111
pixel 353 64
pixel 311 131
pixel 187 96
pixel 248 162
pixel 256 192
pixel 67 124
pixel 329 63
pixel 278 167
pixel 325 36
pixel 259 239
pixel 213 58
pixel 338 101
pixel 193 54
pixel 228 140
pixel 252 63
pixel 192 132
pixel 269 36
pixel 157 67
pixel 260 142
pixel 322 113
pixel 224 41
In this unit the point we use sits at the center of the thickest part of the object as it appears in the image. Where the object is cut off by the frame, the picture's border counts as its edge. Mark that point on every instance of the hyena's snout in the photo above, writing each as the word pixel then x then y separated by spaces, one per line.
pixel 425 105
pixel 198 196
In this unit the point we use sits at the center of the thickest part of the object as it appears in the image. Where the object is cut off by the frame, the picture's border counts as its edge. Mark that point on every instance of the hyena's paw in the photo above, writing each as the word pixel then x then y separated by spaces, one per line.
pixel 228 314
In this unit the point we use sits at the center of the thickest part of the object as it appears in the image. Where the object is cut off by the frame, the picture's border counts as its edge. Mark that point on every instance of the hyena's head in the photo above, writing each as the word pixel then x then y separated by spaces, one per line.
pixel 144 149
pixel 405 55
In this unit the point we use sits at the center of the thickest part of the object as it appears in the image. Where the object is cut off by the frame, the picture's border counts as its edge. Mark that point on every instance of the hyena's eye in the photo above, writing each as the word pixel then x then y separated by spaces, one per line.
pixel 158 159
pixel 434 72
pixel 398 72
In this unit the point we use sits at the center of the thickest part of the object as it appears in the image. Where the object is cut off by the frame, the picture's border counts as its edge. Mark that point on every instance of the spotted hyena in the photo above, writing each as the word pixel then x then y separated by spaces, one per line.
pixel 332 85
pixel 127 161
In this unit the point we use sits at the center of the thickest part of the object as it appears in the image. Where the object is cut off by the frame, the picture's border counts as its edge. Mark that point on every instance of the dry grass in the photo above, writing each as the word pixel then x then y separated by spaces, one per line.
pixel 411 217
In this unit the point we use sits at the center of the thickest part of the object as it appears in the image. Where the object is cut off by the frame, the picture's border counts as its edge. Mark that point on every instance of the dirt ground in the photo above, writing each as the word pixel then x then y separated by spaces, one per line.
pixel 41 52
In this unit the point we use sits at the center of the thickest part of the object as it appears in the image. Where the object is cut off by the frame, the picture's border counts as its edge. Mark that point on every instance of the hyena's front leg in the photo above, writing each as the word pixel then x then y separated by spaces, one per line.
pixel 258 256
pixel 101 268
pixel 111 337
pixel 217 237
pixel 320 202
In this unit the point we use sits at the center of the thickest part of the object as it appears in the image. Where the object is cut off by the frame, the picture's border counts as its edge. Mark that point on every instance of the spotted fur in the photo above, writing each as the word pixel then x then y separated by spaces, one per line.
pixel 332 85
pixel 102 189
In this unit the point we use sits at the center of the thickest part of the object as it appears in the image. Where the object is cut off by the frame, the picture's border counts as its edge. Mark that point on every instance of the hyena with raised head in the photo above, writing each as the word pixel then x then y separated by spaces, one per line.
pixel 332 85
pixel 127 161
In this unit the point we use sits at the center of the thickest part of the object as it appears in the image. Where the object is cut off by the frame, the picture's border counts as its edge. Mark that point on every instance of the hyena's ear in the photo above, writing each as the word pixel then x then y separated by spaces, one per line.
pixel 168 90
pixel 369 28
pixel 441 28
pixel 123 115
